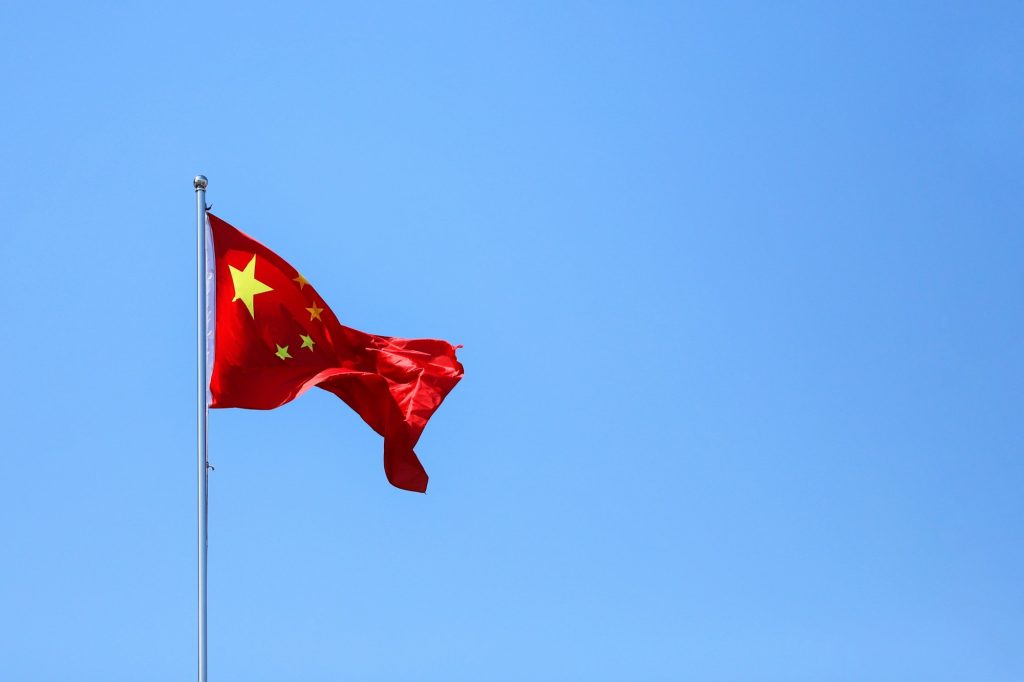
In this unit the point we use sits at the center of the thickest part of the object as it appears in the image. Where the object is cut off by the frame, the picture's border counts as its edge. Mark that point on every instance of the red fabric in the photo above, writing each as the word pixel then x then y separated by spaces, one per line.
pixel 394 384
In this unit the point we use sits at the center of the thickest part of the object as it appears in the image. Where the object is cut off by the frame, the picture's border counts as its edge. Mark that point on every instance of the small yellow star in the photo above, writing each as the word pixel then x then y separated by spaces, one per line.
pixel 282 352
pixel 307 342
pixel 301 280
pixel 314 312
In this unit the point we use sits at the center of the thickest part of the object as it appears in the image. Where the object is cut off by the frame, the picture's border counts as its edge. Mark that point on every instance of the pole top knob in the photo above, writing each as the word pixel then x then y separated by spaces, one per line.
pixel 199 182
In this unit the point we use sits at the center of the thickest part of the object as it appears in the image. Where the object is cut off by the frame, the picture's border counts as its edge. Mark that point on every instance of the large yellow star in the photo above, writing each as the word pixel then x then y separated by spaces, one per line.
pixel 246 285
pixel 314 312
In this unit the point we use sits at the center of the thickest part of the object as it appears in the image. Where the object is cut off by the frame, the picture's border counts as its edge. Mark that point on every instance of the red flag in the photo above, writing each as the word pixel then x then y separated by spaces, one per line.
pixel 276 338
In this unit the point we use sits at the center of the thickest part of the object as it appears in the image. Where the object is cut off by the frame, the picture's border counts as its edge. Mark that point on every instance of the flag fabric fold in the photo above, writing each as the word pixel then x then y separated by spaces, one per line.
pixel 275 338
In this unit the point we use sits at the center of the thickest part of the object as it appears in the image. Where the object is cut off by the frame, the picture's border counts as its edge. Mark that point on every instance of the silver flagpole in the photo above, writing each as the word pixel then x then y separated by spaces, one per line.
pixel 201 409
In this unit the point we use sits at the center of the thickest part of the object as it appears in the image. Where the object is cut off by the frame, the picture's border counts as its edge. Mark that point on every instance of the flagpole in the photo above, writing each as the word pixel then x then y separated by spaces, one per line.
pixel 200 183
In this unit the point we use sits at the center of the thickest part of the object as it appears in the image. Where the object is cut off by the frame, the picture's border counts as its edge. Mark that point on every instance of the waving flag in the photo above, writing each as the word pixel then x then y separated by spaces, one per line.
pixel 275 338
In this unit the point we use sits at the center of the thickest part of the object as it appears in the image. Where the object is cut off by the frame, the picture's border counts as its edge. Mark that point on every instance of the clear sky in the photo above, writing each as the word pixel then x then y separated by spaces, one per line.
pixel 740 292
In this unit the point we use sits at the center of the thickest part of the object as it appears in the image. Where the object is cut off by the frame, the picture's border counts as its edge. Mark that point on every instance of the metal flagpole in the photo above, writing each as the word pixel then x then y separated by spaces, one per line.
pixel 201 409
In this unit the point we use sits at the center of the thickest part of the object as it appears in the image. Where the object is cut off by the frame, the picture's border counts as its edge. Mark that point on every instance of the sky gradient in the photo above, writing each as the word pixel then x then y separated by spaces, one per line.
pixel 739 287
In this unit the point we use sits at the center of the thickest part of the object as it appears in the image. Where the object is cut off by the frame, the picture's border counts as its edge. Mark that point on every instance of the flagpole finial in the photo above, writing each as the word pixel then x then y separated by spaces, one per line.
pixel 199 182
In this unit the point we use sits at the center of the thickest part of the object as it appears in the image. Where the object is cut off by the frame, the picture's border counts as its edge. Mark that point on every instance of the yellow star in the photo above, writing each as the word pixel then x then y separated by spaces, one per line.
pixel 307 342
pixel 314 312
pixel 301 280
pixel 246 285
pixel 282 352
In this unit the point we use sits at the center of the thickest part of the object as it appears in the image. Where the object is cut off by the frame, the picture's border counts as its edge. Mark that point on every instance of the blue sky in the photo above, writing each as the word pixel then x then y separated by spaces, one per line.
pixel 739 288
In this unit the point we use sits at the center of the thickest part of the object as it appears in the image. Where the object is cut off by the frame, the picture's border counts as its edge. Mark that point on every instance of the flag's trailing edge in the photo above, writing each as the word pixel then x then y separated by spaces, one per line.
pixel 274 338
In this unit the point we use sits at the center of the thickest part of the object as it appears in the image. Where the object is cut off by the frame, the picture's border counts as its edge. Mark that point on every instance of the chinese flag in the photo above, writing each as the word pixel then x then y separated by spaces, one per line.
pixel 275 338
